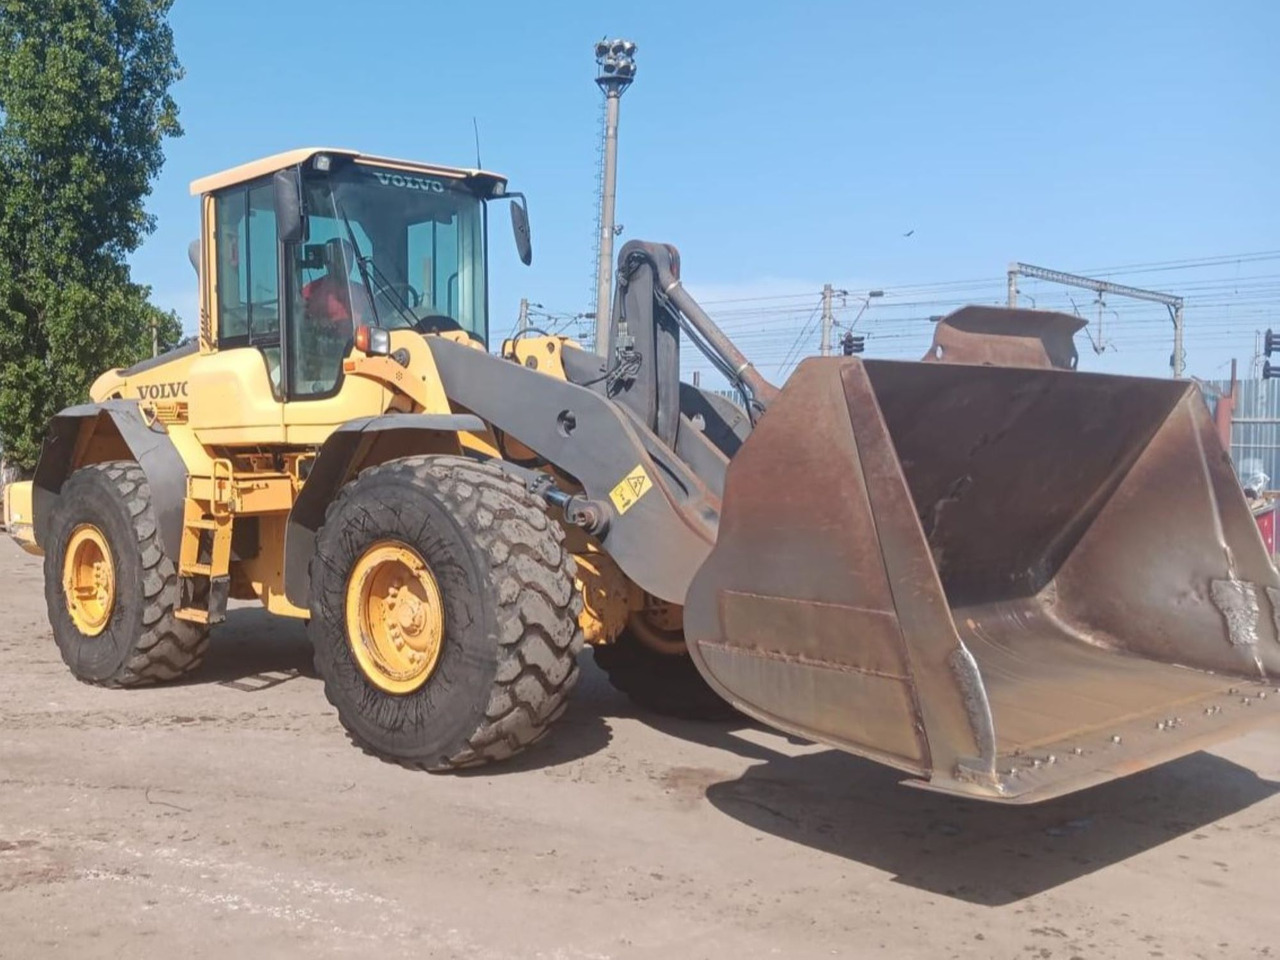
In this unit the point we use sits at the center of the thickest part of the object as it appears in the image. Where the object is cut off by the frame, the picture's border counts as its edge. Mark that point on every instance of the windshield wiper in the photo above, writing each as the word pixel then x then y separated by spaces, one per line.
pixel 399 302
pixel 364 272
pixel 366 263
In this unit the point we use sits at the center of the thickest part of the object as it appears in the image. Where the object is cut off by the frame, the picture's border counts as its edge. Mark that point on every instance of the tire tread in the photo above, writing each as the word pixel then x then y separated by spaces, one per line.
pixel 537 605
pixel 166 648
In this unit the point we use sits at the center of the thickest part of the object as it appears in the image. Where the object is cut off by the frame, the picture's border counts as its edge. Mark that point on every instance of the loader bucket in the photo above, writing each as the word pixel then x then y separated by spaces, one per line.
pixel 1009 582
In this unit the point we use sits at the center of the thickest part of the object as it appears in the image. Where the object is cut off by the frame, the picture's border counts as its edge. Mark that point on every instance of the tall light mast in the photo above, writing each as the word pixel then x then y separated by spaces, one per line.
pixel 615 70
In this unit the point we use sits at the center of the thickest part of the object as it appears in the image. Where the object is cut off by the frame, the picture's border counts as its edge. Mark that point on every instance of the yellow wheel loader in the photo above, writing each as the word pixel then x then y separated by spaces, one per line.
pixel 1006 578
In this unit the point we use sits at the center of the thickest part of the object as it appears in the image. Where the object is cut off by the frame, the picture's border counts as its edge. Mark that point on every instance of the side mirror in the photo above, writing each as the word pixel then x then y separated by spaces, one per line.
pixel 291 224
pixel 520 228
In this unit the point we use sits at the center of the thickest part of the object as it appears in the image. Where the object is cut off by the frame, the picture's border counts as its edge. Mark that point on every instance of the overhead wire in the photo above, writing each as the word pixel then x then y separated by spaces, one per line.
pixel 795 346
pixel 900 319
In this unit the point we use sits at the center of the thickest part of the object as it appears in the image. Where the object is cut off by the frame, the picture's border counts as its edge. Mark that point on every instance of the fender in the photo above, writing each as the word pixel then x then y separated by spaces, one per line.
pixel 150 446
pixel 337 460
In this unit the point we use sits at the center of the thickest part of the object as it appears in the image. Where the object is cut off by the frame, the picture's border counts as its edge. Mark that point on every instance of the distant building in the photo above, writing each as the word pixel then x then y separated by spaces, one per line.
pixel 1255 429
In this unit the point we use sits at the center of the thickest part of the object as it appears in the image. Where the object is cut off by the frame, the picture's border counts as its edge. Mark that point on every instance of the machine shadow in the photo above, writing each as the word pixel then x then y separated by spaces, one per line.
pixel 578 733
pixel 980 853
pixel 254 650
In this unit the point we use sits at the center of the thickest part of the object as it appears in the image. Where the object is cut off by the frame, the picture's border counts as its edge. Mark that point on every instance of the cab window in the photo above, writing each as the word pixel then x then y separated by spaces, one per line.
pixel 248 266
pixel 386 248
pixel 327 297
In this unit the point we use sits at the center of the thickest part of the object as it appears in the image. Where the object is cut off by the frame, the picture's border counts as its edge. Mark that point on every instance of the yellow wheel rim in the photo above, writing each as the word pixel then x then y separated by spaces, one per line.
pixel 89 580
pixel 395 617
pixel 660 626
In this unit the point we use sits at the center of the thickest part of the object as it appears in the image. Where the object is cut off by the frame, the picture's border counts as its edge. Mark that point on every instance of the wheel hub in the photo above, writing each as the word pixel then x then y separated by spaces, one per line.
pixel 660 626
pixel 89 580
pixel 395 617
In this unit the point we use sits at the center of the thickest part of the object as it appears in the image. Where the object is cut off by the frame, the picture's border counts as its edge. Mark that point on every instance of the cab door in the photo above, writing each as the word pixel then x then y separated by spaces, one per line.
pixel 235 393
pixel 319 397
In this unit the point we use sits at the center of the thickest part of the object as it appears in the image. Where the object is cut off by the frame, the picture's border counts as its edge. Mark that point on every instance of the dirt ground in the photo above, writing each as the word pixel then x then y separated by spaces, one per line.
pixel 230 817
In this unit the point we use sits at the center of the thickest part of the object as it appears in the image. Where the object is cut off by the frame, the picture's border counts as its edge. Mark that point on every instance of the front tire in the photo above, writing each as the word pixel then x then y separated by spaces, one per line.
pixel 483 676
pixel 110 588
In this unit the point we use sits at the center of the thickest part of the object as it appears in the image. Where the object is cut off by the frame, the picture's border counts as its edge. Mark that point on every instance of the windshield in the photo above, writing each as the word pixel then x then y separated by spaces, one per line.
pixel 403 249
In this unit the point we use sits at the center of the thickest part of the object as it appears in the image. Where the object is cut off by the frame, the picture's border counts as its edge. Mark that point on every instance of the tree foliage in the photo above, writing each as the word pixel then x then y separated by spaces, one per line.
pixel 84 110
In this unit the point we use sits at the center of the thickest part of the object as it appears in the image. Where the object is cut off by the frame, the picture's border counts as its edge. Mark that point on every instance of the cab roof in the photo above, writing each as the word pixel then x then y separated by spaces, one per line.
pixel 245 172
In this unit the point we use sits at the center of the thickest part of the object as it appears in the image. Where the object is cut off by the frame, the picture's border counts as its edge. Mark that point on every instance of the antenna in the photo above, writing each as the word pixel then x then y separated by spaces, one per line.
pixel 476 127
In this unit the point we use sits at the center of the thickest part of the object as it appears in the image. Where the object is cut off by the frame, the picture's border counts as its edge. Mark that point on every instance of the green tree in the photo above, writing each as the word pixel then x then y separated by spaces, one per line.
pixel 84 109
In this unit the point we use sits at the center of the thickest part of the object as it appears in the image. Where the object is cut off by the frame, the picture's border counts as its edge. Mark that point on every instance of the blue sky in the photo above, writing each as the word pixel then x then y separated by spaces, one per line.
pixel 783 146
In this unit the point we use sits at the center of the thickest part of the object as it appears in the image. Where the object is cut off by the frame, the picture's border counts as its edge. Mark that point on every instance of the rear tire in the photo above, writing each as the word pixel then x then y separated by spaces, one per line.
pixel 664 683
pixel 510 612
pixel 142 641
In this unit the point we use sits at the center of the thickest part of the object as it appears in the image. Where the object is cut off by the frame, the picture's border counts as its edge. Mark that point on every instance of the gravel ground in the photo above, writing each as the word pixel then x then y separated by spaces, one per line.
pixel 229 816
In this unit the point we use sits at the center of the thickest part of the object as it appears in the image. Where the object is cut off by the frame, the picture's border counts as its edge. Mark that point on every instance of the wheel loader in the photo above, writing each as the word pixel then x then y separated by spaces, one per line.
pixel 1004 577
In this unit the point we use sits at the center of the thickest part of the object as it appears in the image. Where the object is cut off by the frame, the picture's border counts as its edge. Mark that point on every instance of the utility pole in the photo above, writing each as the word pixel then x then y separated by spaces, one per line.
pixel 1172 304
pixel 1176 361
pixel 155 337
pixel 828 312
pixel 828 318
pixel 523 323
pixel 616 69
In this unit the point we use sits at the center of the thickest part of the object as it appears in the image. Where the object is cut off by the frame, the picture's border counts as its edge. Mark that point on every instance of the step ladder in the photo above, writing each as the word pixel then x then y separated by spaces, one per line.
pixel 204 561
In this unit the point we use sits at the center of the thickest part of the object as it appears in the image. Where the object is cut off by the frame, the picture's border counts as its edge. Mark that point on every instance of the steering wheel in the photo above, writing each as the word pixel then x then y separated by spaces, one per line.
pixel 439 323
pixel 435 323
pixel 401 291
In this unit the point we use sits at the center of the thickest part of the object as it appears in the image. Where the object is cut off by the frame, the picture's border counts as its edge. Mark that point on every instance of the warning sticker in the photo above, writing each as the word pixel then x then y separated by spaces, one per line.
pixel 630 489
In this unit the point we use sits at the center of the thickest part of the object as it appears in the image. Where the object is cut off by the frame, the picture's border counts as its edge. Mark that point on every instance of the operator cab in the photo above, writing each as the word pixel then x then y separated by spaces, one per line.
pixel 308 245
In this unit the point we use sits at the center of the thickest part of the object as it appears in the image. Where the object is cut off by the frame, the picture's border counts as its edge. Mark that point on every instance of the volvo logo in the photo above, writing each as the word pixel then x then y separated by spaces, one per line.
pixel 409 183
pixel 162 391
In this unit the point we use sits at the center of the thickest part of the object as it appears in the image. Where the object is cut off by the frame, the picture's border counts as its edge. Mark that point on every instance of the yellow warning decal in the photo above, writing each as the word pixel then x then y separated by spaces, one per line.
pixel 630 489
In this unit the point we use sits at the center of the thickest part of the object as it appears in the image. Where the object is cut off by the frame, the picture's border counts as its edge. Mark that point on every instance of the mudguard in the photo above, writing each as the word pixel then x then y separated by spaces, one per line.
pixel 333 466
pixel 150 446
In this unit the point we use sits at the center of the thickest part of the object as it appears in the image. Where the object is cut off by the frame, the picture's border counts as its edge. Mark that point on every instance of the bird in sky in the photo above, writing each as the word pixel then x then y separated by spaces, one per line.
pixel 910 232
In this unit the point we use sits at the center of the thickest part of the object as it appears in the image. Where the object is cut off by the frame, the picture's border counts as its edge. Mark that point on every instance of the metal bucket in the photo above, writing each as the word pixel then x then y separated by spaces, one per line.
pixel 1009 582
